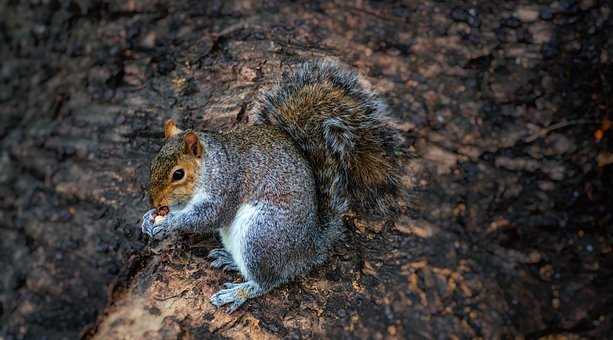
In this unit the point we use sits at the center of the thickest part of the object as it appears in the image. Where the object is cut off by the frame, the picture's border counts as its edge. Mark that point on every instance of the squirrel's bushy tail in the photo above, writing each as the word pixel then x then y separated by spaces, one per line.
pixel 341 128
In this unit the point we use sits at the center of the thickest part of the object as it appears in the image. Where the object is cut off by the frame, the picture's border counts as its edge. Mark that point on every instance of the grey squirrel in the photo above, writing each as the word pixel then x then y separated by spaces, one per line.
pixel 276 191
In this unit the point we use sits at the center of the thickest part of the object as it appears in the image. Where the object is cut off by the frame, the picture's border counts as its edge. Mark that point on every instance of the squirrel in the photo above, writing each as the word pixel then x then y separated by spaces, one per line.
pixel 276 191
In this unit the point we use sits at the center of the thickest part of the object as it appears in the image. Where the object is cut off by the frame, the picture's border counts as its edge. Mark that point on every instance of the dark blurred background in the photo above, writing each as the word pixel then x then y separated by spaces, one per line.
pixel 504 105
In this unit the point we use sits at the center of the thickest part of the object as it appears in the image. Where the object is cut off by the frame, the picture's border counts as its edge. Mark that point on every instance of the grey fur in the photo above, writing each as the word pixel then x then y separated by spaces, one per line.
pixel 339 133
pixel 294 205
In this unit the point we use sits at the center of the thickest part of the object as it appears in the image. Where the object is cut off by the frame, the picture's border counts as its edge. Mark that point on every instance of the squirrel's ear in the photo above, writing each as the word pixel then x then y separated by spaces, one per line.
pixel 192 144
pixel 171 129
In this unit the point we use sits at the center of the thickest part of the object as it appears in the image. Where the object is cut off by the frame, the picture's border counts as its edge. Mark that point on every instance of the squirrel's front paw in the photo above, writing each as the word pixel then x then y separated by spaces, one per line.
pixel 154 226
pixel 148 222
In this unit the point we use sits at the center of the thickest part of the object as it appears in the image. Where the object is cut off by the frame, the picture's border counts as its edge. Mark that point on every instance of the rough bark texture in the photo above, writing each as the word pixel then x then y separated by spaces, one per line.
pixel 507 231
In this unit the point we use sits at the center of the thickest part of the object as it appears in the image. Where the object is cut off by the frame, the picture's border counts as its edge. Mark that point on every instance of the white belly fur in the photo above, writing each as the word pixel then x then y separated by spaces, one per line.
pixel 233 236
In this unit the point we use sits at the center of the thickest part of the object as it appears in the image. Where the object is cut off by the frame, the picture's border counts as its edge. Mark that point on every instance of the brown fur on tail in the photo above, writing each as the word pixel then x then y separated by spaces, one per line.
pixel 341 128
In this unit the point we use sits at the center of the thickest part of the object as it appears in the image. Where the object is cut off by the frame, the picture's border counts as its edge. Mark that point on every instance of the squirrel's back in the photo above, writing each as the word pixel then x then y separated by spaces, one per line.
pixel 341 128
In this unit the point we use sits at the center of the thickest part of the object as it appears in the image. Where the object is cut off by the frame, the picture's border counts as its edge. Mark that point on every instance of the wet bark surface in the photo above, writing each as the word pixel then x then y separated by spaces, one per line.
pixel 502 104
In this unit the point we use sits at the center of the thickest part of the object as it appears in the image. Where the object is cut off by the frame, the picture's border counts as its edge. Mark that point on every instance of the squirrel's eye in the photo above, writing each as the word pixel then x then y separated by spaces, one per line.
pixel 178 175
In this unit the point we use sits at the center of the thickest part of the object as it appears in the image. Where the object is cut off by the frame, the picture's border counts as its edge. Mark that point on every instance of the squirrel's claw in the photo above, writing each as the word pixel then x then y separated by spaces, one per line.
pixel 222 259
pixel 218 253
pixel 229 285
pixel 148 222
pixel 234 306
pixel 236 295
pixel 225 265
pixel 155 230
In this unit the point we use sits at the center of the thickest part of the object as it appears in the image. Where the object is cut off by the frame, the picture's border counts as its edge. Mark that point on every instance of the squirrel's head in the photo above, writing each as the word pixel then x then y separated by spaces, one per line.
pixel 175 169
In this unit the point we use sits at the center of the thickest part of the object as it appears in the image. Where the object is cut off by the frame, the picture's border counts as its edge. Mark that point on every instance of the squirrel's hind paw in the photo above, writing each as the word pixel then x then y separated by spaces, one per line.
pixel 222 259
pixel 236 295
